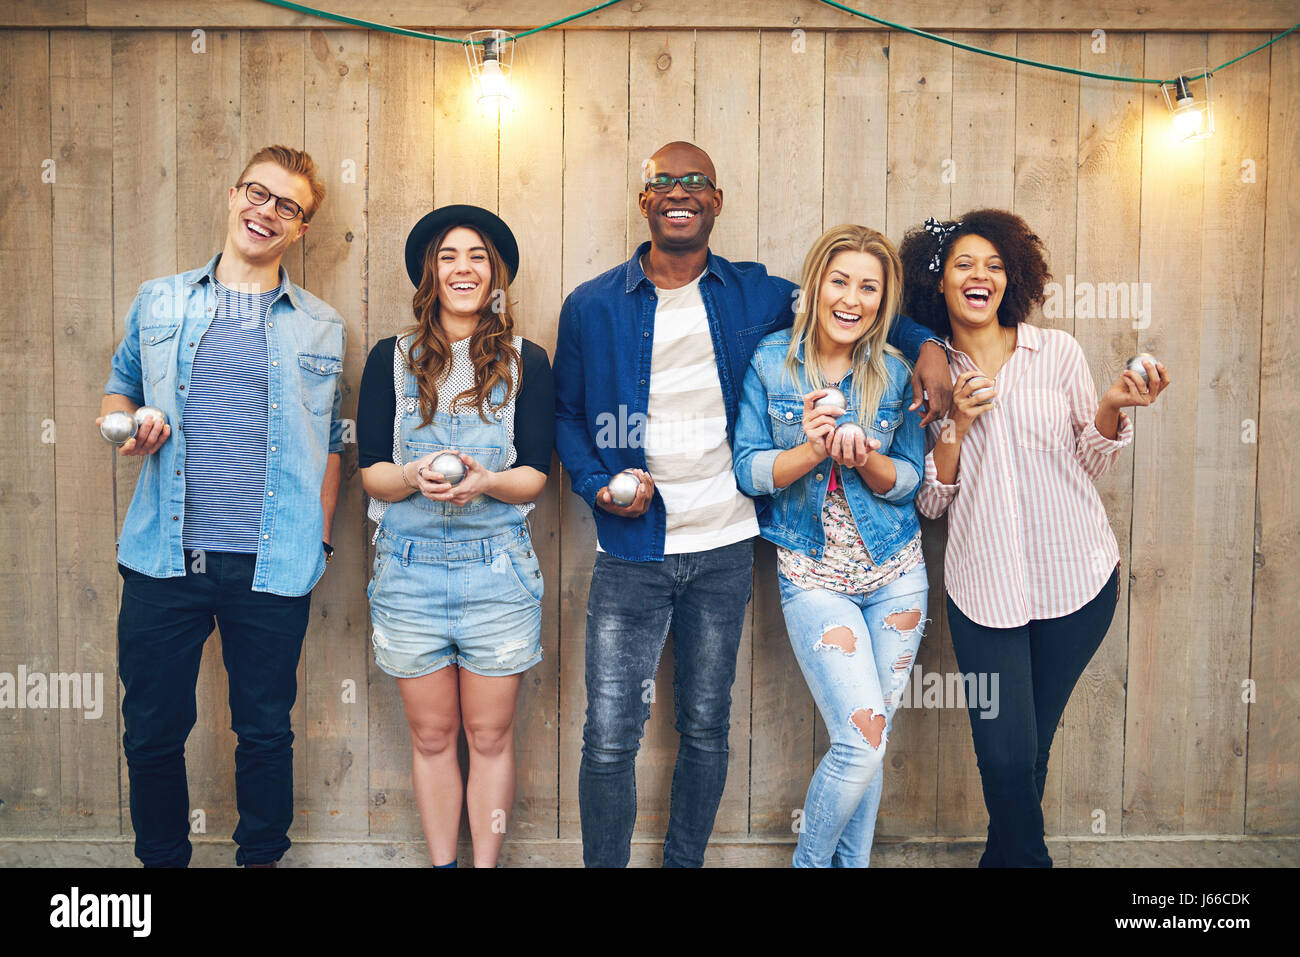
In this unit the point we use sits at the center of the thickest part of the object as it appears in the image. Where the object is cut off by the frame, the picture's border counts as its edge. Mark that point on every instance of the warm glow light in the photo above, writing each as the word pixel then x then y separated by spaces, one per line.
pixel 490 54
pixel 1193 118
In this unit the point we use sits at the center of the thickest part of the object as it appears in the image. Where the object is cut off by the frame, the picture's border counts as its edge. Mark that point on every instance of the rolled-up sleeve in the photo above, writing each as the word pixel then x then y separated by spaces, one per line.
pixel 1095 453
pixel 125 376
pixel 934 497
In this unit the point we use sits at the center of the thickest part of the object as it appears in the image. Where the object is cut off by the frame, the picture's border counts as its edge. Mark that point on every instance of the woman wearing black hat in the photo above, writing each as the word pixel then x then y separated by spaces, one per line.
pixel 456 591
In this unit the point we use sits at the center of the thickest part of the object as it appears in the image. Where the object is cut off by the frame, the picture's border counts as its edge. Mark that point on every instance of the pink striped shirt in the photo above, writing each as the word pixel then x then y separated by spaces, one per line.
pixel 1028 536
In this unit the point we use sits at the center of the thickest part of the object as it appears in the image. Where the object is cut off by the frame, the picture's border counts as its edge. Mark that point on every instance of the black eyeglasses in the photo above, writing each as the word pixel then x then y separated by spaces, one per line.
pixel 691 181
pixel 259 195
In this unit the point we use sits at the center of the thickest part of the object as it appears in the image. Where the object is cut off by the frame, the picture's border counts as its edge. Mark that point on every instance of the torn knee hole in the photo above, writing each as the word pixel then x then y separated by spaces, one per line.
pixel 839 637
pixel 903 661
pixel 904 620
pixel 870 725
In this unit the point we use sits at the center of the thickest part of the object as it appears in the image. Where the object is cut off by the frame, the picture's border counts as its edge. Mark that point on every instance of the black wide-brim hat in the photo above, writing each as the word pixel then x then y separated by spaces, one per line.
pixel 430 227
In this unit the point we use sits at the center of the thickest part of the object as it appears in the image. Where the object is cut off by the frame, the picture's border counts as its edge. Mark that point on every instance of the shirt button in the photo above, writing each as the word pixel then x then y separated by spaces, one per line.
pixel 182 386
pixel 789 416
pixel 818 476
pixel 191 345
pixel 176 518
pixel 643 381
pixel 322 368
pixel 265 537
pixel 151 338
pixel 271 494
pixel 270 325
pixel 884 423
pixel 273 448
pixel 275 363
pixel 274 405
pixel 645 335
pixel 178 471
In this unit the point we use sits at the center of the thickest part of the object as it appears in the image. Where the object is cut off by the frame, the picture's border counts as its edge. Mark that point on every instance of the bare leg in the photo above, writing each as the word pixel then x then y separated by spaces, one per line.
pixel 432 704
pixel 488 710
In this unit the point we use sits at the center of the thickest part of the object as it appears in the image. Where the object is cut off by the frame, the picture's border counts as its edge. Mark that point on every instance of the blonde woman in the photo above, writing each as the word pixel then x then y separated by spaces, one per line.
pixel 841 477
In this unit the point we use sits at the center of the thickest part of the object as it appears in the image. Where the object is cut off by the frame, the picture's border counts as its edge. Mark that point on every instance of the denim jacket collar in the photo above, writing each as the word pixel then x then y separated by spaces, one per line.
pixel 287 288
pixel 635 275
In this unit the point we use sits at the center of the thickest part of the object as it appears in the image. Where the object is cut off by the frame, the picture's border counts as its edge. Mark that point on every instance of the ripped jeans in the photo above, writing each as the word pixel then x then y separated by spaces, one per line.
pixel 856 678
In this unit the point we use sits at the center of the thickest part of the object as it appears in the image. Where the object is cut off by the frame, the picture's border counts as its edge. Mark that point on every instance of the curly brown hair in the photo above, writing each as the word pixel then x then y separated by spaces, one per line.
pixel 1022 254
pixel 491 345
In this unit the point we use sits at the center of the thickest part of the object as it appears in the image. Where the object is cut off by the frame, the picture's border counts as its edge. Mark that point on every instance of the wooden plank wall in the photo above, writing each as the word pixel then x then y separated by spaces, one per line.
pixel 1185 720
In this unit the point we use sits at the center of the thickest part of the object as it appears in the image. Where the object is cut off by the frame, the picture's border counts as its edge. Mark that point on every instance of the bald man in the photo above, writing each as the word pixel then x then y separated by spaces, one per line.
pixel 649 365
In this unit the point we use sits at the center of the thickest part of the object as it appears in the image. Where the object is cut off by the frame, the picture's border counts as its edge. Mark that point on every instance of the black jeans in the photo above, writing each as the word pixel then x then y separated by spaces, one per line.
pixel 161 629
pixel 1037 666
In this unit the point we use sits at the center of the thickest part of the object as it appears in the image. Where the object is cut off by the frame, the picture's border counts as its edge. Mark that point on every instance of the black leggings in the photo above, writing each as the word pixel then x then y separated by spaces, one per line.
pixel 1037 666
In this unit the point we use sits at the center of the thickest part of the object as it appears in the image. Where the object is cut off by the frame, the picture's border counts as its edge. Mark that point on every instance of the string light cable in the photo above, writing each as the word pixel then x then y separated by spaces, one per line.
pixel 834 4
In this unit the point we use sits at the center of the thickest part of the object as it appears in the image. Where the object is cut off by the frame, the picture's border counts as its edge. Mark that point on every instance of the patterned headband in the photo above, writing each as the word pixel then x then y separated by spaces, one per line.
pixel 936 228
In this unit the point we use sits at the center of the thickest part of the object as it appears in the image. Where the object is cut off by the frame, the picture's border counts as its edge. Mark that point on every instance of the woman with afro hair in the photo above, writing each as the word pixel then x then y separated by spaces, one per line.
pixel 1031 568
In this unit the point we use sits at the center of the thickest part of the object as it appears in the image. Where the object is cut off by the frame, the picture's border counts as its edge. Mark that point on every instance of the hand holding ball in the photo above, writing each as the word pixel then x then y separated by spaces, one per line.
pixel 118 427
pixel 450 465
pixel 1135 365
pixel 833 398
pixel 623 488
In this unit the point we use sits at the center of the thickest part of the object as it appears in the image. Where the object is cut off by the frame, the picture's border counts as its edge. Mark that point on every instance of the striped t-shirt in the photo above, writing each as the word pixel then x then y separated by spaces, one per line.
pixel 225 421
pixel 686 447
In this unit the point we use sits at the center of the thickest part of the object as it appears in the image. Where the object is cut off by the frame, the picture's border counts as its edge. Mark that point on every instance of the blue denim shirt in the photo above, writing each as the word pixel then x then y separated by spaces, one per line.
pixel 305 340
pixel 602 376
pixel 771 420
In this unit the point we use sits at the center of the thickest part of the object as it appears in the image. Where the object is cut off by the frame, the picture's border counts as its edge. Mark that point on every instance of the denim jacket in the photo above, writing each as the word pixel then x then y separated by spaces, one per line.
pixel 771 420
pixel 602 376
pixel 305 340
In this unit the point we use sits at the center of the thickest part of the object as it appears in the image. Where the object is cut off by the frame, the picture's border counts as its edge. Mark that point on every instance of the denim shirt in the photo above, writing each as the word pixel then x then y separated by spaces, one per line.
pixel 602 376
pixel 771 420
pixel 305 340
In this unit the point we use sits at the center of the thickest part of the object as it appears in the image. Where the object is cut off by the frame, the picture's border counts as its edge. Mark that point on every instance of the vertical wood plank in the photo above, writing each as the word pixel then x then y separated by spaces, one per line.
pixel 982 173
pixel 726 127
pixel 595 236
pixel 333 730
pixel 29 737
pixel 1227 387
pixel 81 109
pixel 856 128
pixel 1163 604
pixel 1090 744
pixel 661 109
pixel 1047 137
pixel 532 202
pixel 790 164
pixel 920 138
pixel 400 192
pixel 465 135
pixel 144 223
pixel 207 165
pixel 271 103
pixel 1273 758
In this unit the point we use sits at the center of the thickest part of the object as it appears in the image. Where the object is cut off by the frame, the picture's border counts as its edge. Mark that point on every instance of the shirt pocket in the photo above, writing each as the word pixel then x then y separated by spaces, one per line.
pixel 883 425
pixel 156 351
pixel 317 375
pixel 1039 419
pixel 785 416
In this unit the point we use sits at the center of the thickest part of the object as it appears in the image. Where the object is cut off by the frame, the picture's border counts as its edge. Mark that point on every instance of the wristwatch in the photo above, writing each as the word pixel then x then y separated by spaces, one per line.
pixel 329 551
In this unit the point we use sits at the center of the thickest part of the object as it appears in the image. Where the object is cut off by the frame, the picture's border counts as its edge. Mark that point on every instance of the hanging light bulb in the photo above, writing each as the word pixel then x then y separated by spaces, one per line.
pixel 490 54
pixel 1193 118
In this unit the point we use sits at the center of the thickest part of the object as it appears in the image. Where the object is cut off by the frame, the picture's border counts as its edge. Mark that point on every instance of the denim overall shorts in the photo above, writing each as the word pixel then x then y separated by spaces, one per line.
pixel 454 584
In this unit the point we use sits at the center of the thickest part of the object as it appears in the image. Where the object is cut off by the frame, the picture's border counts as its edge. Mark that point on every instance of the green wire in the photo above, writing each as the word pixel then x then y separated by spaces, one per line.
pixel 301 8
pixel 1027 62
pixel 401 31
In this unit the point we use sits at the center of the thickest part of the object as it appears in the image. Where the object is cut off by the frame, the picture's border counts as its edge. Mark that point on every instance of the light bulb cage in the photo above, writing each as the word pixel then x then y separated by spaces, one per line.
pixel 483 47
pixel 1180 97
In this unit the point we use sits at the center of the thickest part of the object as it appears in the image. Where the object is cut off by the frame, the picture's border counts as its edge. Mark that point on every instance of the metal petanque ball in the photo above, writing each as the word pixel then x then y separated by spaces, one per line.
pixel 979 392
pixel 149 412
pixel 850 431
pixel 1135 365
pixel 450 465
pixel 117 427
pixel 623 488
pixel 833 397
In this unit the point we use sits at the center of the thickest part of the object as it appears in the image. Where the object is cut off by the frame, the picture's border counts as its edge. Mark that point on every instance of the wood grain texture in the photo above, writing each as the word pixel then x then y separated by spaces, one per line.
pixel 1273 758
pixel 30 758
pixel 856 131
pixel 81 113
pixel 1089 747
pixel 1163 603
pixel 594 239
pixel 748 14
pixel 332 731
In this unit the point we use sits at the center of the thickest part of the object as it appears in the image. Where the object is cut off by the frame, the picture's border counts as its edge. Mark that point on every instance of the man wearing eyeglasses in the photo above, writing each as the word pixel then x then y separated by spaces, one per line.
pixel 649 364
pixel 231 517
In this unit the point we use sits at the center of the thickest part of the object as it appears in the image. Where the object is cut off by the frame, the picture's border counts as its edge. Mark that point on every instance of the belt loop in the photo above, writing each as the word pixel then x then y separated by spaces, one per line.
pixel 486 545
pixel 406 554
